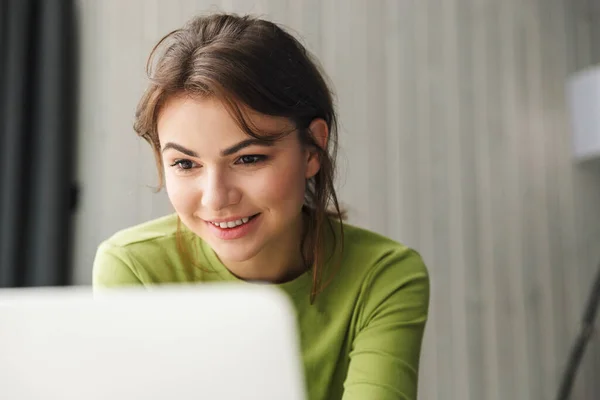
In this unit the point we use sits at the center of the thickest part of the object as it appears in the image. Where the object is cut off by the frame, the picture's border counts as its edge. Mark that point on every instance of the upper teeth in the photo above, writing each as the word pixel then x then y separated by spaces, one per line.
pixel 231 224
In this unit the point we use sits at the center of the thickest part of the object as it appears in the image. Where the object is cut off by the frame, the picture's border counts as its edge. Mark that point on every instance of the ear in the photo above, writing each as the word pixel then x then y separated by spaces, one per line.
pixel 320 134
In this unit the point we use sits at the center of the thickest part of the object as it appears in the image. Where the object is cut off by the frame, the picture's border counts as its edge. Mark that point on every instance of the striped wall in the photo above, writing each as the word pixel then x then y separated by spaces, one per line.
pixel 455 140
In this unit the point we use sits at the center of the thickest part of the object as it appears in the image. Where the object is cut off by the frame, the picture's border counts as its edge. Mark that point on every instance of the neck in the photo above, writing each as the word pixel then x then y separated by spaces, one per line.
pixel 277 262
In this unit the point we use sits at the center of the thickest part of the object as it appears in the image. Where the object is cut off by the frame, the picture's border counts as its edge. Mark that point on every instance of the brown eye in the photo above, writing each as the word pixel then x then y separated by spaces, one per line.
pixel 251 159
pixel 184 164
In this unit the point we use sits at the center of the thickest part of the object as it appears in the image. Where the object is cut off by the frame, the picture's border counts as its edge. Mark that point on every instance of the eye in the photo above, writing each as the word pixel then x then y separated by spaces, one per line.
pixel 251 159
pixel 184 164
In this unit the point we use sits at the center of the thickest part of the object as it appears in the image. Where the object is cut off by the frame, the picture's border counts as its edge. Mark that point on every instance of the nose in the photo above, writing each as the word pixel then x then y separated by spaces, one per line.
pixel 218 192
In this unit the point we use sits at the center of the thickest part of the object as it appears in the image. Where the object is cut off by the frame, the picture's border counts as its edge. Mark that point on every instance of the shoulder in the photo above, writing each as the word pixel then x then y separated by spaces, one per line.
pixel 388 313
pixel 151 240
pixel 390 274
pixel 131 255
pixel 157 229
pixel 375 253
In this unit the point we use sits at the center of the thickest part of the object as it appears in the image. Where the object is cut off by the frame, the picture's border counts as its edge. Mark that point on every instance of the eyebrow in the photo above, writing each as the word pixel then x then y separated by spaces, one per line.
pixel 227 152
pixel 246 143
pixel 187 152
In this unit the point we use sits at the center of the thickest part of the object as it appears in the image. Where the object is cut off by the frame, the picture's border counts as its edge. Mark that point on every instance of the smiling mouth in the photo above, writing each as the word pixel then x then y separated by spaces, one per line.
pixel 234 224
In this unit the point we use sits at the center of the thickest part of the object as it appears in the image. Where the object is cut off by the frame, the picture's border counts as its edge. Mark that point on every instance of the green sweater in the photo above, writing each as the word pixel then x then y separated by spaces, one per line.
pixel 360 339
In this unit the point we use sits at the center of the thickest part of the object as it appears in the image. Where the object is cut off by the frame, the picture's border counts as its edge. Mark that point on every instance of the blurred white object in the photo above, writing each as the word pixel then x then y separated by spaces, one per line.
pixel 583 92
pixel 204 342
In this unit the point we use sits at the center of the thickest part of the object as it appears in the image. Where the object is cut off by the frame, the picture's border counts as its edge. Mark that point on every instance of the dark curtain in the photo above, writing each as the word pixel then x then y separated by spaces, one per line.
pixel 37 132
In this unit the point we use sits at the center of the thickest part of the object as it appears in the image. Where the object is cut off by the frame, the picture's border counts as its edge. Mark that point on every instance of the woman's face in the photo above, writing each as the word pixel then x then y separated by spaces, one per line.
pixel 243 197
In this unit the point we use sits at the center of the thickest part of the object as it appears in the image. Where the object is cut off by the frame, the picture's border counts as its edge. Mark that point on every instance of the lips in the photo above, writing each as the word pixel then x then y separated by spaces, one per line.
pixel 233 228
pixel 232 223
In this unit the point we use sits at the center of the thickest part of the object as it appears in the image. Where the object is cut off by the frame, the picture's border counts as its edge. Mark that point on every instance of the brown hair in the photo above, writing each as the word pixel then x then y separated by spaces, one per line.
pixel 247 62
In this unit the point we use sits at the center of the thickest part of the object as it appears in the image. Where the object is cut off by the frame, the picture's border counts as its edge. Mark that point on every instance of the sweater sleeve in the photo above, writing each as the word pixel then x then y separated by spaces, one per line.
pixel 113 268
pixel 384 360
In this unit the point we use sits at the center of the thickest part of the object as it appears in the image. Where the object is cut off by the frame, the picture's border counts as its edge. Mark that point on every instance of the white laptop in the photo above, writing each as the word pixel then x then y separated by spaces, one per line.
pixel 217 342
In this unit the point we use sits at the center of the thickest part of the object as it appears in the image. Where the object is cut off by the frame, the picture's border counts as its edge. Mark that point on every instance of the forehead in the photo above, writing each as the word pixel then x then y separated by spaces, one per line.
pixel 185 117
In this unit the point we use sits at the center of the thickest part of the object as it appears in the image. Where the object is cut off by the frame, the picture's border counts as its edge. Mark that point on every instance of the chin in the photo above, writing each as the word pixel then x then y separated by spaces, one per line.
pixel 234 252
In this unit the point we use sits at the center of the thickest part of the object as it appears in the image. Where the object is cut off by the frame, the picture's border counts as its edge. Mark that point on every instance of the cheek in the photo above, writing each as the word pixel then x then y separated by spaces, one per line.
pixel 282 188
pixel 181 195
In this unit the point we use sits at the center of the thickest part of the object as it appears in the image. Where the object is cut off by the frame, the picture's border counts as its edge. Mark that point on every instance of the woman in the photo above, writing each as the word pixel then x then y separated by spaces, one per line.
pixel 243 128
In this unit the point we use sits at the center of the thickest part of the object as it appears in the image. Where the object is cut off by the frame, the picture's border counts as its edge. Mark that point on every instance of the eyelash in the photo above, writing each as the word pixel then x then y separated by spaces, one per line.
pixel 257 159
pixel 178 164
